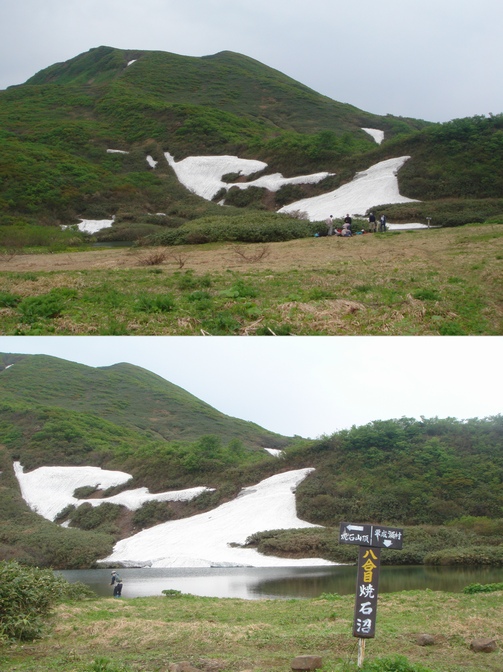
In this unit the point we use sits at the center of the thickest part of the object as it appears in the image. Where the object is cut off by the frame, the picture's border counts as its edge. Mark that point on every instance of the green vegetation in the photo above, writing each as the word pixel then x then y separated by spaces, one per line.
pixel 483 588
pixel 437 282
pixel 440 479
pixel 57 128
pixel 147 634
pixel 28 595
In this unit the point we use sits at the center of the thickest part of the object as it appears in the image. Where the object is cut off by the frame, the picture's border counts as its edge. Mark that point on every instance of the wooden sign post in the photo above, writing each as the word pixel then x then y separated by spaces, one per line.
pixel 370 539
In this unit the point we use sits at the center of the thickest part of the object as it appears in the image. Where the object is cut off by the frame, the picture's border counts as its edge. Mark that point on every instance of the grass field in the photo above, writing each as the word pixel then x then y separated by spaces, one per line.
pixel 427 282
pixel 214 635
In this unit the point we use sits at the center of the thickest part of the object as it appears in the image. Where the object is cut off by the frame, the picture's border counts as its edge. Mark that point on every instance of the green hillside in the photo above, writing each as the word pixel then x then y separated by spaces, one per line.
pixel 56 129
pixel 441 479
pixel 123 395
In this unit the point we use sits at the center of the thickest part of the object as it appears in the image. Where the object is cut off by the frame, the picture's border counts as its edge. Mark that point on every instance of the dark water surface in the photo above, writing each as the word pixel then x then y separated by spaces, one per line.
pixel 279 582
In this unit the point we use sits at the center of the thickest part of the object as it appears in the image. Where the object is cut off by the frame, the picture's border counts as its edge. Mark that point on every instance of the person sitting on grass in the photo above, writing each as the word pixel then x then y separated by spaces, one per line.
pixel 346 230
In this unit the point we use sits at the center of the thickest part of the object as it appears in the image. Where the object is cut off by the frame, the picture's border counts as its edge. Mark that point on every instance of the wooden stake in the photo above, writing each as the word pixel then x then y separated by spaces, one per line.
pixel 361 651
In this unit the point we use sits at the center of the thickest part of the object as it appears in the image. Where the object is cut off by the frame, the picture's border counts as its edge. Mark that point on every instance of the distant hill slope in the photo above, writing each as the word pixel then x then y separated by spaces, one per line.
pixel 226 81
pixel 57 130
pixel 123 401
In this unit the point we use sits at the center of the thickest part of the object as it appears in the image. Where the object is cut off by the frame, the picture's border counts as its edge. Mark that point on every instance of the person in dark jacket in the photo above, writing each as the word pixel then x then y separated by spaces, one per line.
pixel 372 222
pixel 118 588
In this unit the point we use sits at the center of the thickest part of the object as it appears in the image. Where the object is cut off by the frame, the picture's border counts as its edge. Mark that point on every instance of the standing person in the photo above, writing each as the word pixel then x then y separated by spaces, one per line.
pixel 330 225
pixel 372 222
pixel 382 226
pixel 115 577
pixel 118 588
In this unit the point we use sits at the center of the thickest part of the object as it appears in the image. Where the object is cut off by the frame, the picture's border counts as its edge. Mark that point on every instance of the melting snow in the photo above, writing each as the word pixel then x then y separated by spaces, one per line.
pixel 116 151
pixel 375 133
pixel 131 62
pixel 203 174
pixel 48 490
pixel 204 540
pixel 274 451
pixel 151 161
pixel 93 225
pixel 378 185
pixel 199 541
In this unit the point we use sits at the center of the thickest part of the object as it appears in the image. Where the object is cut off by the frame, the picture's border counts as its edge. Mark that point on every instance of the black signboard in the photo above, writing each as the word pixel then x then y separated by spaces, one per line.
pixel 367 584
pixel 376 536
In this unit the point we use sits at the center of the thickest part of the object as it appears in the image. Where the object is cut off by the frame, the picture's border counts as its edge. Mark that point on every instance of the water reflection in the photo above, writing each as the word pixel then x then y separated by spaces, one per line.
pixel 278 582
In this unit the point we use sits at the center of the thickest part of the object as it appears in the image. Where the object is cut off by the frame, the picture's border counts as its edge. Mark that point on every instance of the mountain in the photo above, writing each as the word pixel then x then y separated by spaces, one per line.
pixel 122 395
pixel 112 451
pixel 87 138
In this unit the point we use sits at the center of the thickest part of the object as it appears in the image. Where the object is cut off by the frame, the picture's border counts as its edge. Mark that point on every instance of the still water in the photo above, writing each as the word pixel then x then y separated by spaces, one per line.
pixel 279 582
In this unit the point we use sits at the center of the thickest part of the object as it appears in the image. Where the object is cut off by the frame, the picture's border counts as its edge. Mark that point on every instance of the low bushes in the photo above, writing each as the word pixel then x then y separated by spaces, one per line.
pixel 445 212
pixel 260 227
pixel 473 555
pixel 482 588
pixel 27 596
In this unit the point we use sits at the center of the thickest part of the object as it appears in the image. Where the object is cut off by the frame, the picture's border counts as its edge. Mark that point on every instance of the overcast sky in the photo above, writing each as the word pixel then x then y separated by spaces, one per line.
pixel 430 59
pixel 307 386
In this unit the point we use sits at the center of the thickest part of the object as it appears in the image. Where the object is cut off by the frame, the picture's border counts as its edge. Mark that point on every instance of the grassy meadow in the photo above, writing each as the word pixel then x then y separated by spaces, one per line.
pixel 425 282
pixel 213 635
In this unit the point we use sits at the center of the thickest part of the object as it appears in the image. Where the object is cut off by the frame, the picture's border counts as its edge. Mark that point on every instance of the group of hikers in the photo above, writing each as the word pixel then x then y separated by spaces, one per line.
pixel 346 225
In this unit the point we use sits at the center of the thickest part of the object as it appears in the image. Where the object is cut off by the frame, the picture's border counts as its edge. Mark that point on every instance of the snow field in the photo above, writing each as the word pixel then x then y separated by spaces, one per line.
pixel 48 490
pixel 202 540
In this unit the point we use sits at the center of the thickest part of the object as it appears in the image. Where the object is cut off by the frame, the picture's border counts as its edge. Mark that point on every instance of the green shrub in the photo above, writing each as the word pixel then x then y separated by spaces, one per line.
pixel 156 303
pixel 88 517
pixel 46 306
pixel 27 597
pixel 257 227
pixel 152 513
pixel 482 588
pixel 8 300
pixel 172 593
pixel 476 555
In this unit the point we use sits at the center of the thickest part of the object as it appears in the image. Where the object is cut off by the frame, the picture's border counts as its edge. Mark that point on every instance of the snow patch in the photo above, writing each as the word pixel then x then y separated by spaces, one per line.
pixel 274 451
pixel 94 225
pixel 203 174
pixel 378 185
pixel 131 62
pixel 48 490
pixel 151 161
pixel 205 540
pixel 116 151
pixel 375 133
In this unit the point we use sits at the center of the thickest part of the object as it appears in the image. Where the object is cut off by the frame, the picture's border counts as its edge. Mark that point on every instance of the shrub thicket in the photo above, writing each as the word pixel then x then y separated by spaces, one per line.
pixel 258 227
pixel 27 596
